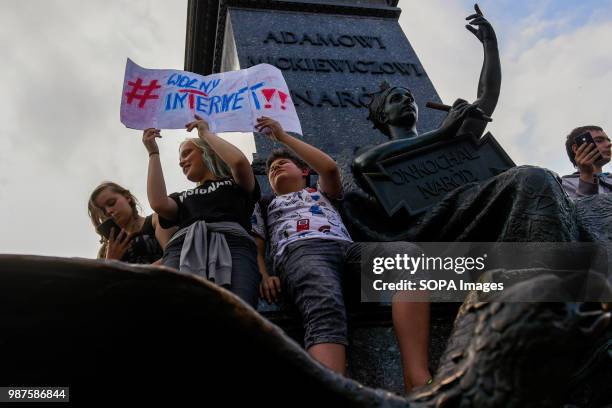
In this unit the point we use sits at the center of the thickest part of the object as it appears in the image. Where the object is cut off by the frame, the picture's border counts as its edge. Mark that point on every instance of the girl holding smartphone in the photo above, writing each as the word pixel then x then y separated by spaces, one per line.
pixel 125 235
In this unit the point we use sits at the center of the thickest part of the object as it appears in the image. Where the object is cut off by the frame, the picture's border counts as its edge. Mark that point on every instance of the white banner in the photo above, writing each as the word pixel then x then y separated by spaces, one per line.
pixel 229 101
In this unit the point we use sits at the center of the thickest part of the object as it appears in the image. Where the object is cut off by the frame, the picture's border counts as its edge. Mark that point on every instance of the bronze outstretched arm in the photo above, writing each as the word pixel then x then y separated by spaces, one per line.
pixel 490 76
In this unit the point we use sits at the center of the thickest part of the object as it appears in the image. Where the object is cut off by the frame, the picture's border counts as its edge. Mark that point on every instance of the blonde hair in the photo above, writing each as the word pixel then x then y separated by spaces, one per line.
pixel 96 214
pixel 213 162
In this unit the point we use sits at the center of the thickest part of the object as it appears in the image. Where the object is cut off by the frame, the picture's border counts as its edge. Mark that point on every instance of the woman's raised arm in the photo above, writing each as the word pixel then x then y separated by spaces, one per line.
pixel 230 154
pixel 156 186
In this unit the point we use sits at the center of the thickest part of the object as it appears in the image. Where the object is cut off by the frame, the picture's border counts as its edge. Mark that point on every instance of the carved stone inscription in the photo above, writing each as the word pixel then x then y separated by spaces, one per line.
pixel 437 174
pixel 417 180
pixel 327 40
pixel 330 63
pixel 342 98
pixel 339 65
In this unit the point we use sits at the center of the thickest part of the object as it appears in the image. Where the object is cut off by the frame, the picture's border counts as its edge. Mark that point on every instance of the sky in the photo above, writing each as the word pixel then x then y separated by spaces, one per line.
pixel 62 71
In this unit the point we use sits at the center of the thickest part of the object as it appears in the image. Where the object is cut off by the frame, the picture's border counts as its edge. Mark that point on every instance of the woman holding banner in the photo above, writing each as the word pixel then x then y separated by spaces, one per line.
pixel 214 217
pixel 125 235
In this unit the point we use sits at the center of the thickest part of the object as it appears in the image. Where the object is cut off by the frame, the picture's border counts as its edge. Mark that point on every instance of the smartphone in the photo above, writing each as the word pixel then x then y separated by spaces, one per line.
pixel 587 138
pixel 584 138
pixel 104 229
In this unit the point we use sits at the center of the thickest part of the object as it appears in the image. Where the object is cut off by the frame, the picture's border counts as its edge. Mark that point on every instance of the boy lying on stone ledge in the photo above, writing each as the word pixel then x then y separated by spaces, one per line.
pixel 312 252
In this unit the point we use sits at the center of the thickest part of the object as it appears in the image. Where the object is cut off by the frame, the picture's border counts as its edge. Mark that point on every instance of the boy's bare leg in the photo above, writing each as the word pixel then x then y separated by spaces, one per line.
pixel 331 355
pixel 411 324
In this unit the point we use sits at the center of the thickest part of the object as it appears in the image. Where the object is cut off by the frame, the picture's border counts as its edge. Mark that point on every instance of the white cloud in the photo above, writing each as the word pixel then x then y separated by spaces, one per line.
pixel 558 84
pixel 551 83
pixel 62 72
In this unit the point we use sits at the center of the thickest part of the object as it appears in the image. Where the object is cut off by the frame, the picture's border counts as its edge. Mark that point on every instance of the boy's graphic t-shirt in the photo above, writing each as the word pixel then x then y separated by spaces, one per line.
pixel 304 214
pixel 214 201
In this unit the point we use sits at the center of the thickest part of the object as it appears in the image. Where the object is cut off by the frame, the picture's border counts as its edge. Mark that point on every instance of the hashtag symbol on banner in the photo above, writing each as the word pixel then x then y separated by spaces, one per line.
pixel 147 92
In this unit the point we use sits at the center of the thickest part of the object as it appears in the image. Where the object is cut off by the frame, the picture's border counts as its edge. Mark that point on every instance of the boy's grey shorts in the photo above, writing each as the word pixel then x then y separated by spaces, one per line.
pixel 312 272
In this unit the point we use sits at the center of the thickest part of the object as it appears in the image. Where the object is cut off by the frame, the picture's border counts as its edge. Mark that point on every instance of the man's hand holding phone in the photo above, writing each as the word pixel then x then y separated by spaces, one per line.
pixel 587 155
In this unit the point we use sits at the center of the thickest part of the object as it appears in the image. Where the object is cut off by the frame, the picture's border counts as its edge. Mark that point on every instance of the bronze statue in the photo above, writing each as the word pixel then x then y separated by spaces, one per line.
pixel 157 334
pixel 394 112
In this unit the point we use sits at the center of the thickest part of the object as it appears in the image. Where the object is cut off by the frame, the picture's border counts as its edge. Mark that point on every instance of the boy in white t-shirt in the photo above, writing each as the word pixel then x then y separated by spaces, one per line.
pixel 311 249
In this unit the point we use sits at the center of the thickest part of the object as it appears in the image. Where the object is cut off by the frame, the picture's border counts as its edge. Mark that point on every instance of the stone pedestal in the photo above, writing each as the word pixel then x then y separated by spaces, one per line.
pixel 332 54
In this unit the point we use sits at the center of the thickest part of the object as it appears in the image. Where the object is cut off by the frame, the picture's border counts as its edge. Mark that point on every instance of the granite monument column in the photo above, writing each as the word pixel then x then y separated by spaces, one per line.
pixel 331 53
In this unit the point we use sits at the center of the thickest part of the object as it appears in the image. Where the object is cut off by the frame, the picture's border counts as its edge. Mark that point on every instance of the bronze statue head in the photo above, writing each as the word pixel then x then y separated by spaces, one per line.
pixel 392 107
